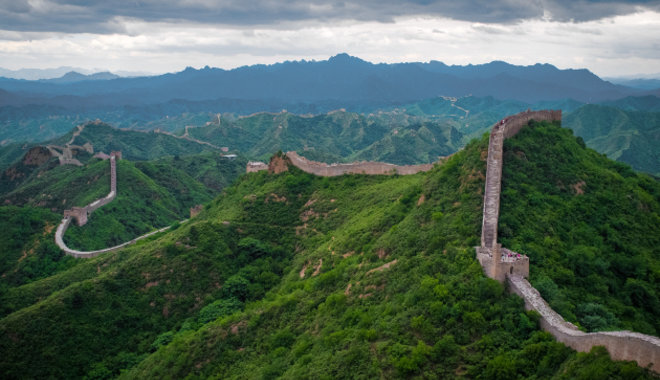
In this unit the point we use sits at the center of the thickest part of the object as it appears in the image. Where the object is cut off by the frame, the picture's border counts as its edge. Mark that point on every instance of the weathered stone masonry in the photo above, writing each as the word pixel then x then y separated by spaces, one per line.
pixel 332 170
pixel 81 214
pixel 504 265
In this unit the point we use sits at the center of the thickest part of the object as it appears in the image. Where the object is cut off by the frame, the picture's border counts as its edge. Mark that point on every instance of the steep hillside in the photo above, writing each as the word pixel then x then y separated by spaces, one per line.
pixel 144 202
pixel 632 137
pixel 151 194
pixel 28 247
pixel 336 136
pixel 590 226
pixel 135 146
pixel 210 169
pixel 297 276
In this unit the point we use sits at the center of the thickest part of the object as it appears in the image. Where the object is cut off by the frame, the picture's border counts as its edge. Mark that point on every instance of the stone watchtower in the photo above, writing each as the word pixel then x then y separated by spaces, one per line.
pixel 77 213
pixel 81 214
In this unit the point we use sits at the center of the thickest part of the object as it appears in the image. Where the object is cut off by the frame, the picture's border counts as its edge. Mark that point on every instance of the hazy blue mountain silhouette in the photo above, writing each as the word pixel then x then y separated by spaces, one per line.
pixel 341 78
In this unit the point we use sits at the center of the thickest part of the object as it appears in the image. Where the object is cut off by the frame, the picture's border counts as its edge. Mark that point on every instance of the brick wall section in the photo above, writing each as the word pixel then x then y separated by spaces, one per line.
pixel 503 129
pixel 81 214
pixel 622 345
pixel 364 167
pixel 255 166
pixel 491 211
pixel 61 229
pixel 502 264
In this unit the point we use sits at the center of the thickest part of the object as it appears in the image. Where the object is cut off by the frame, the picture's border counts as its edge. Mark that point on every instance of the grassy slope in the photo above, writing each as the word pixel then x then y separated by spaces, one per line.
pixel 208 168
pixel 222 295
pixel 594 256
pixel 431 313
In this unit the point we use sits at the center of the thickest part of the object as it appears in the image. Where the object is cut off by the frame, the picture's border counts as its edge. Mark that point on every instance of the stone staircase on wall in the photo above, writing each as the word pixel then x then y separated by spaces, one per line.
pixel 492 191
pixel 504 265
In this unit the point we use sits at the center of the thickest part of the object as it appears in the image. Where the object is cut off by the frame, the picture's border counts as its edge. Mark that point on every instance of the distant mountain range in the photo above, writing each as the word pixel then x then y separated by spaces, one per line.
pixel 348 80
pixel 58 72
pixel 73 76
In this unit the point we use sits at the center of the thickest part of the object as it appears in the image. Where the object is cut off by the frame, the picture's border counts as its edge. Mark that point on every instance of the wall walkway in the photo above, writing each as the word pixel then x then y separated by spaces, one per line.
pixel 82 213
pixel 364 167
pixel 504 265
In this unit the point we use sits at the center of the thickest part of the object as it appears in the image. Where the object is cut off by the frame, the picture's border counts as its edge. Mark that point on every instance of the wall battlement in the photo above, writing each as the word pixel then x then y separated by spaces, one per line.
pixel 489 253
pixel 503 265
pixel 81 214
pixel 622 345
pixel 364 167
pixel 255 166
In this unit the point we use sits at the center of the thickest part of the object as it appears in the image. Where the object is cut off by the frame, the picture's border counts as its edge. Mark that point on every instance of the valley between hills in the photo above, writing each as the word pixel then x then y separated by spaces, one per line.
pixel 350 254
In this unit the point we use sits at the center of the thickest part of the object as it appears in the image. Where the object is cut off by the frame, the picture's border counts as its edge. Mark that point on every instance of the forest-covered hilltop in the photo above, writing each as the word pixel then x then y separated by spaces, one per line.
pixel 296 276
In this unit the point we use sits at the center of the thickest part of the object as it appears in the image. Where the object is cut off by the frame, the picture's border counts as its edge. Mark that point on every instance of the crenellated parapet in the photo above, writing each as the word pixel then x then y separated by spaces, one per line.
pixel 363 167
pixel 504 265
pixel 490 252
pixel 78 213
pixel 81 214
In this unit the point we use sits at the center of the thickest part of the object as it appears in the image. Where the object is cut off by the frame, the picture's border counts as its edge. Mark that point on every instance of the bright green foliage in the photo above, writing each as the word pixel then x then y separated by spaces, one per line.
pixel 590 227
pixel 27 248
pixel 296 276
pixel 151 194
pixel 209 168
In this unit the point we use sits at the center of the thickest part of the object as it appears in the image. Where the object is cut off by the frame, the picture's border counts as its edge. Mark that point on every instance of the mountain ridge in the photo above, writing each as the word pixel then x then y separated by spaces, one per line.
pixel 340 77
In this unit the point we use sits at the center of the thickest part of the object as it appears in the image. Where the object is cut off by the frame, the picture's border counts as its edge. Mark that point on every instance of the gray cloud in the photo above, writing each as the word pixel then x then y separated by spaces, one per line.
pixel 103 16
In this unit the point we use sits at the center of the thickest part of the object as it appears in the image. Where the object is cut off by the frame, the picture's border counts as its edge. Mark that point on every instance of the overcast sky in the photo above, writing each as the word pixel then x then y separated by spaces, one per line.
pixel 609 37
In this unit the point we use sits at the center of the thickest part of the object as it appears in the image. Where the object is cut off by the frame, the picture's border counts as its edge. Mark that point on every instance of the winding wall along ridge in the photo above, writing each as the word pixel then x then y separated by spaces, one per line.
pixel 364 167
pixel 81 214
pixel 513 268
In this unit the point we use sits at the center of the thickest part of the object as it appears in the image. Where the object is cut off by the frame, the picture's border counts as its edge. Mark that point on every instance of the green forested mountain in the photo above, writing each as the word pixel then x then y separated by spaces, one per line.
pixel 591 227
pixel 632 137
pixel 297 276
pixel 27 246
pixel 134 145
pixel 624 129
pixel 151 194
pixel 342 136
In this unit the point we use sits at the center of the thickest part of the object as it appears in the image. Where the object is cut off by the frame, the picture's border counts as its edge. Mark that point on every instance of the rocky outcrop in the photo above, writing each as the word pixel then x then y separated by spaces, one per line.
pixel 37 156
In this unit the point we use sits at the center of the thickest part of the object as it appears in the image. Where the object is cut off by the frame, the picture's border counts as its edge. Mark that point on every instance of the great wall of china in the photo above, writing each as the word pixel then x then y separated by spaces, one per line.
pixel 332 170
pixel 507 266
pixel 497 262
pixel 81 215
